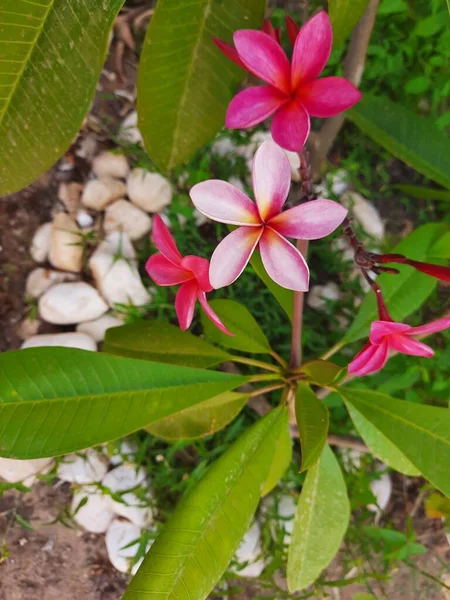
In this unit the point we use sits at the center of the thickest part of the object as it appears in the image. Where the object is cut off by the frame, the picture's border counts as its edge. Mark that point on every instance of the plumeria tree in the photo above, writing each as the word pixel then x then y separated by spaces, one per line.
pixel 153 375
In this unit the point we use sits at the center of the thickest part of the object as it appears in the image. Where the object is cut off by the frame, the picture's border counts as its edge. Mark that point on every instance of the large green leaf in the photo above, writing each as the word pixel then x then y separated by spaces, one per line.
pixel 421 433
pixel 321 372
pixel 423 193
pixel 201 419
pixel 51 54
pixel 284 297
pixel 312 421
pixel 58 400
pixel 197 543
pixel 402 132
pixel 162 342
pixel 403 293
pixel 320 522
pixel 281 458
pixel 378 443
pixel 344 15
pixel 185 83
pixel 248 335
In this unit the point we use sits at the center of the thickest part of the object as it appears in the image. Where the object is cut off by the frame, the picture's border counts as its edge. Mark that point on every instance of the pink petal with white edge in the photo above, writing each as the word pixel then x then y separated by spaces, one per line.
pixel 433 327
pixel 163 240
pixel 252 106
pixel 229 51
pixel 271 177
pixel 290 126
pixel 380 329
pixel 283 262
pixel 164 272
pixel 212 315
pixel 200 268
pixel 369 360
pixel 221 201
pixel 232 255
pixel 185 303
pixel 406 345
pixel 310 220
pixel 312 49
pixel 328 96
pixel 264 57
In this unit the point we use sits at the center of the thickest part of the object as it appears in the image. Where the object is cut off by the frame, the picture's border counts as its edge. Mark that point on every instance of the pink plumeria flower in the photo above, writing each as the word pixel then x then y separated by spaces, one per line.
pixel 192 272
pixel 294 92
pixel 263 225
pixel 388 335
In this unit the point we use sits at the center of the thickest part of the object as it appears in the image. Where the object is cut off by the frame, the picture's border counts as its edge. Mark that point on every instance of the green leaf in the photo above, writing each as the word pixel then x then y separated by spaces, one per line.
pixel 403 293
pixel 284 297
pixel 199 540
pixel 431 25
pixel 344 15
pixel 312 421
pixel 248 335
pixel 363 596
pixel 185 83
pixel 200 420
pixel 161 342
pixel 424 193
pixel 378 443
pixel 5 486
pixel 391 7
pixel 418 85
pixel 437 506
pixel 441 249
pixel 402 132
pixel 321 372
pixel 282 457
pixel 51 57
pixel 58 400
pixel 421 433
pixel 320 522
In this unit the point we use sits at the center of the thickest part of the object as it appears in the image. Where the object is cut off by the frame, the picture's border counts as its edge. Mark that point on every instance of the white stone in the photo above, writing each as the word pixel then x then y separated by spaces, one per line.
pixel 110 164
pixel 351 459
pixel 129 131
pixel 98 328
pixel 40 280
pixel 223 146
pixel 319 296
pixel 339 182
pixel 199 218
pixel 121 215
pixel 249 551
pixel 150 191
pixel 87 147
pixel 70 195
pixel 28 327
pixel 96 515
pixel 124 478
pixel 365 213
pixel 118 537
pixel 68 303
pixel 126 451
pixel 84 219
pixel 135 567
pixel 118 279
pixel 65 340
pixel 285 508
pixel 89 467
pixel 66 251
pixel 40 244
pixel 98 193
pixel 256 140
pixel 134 509
pixel 382 490
pixel 13 470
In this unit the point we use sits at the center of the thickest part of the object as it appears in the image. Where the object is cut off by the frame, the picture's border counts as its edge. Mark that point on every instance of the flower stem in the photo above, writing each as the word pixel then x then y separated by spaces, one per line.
pixel 329 353
pixel 265 390
pixel 297 318
pixel 279 359
pixel 256 363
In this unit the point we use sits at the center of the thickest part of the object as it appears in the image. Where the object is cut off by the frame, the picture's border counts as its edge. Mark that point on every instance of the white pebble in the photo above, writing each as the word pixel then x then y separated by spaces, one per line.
pixel 84 219
pixel 248 552
pixel 98 328
pixel 66 251
pixel 150 191
pixel 40 244
pixel 89 467
pixel 65 340
pixel 96 515
pixel 125 478
pixel 119 536
pixel 110 164
pixel 69 303
pixel 320 296
pixel 121 215
pixel 365 213
pixel 13 470
pixel 40 280
pixel 129 131
pixel 134 509
pixel 98 193
pixel 382 490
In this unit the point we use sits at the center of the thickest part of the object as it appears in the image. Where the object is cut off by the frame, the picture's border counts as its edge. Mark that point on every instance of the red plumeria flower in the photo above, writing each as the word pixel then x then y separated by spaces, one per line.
pixel 170 268
pixel 388 335
pixel 263 224
pixel 294 92
pixel 437 271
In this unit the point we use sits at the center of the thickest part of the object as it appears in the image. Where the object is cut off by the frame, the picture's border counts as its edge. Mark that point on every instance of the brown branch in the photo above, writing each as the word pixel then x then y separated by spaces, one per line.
pixel 355 59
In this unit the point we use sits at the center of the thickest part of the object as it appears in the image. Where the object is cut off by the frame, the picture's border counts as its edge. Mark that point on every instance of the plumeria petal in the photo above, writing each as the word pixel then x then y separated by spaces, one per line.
pixel 406 345
pixel 163 240
pixel 312 49
pixel 200 268
pixel 221 201
pixel 230 51
pixel 252 106
pixel 185 303
pixel 433 327
pixel 369 360
pixel 268 28
pixel 310 220
pixel 292 29
pixel 271 179
pixel 290 126
pixel 232 255
pixel 211 314
pixel 328 96
pixel 380 329
pixel 263 57
pixel 283 262
pixel 165 272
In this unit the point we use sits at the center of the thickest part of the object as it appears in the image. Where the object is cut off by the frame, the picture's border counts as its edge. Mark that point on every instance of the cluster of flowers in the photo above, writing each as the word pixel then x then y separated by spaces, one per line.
pixel 293 93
